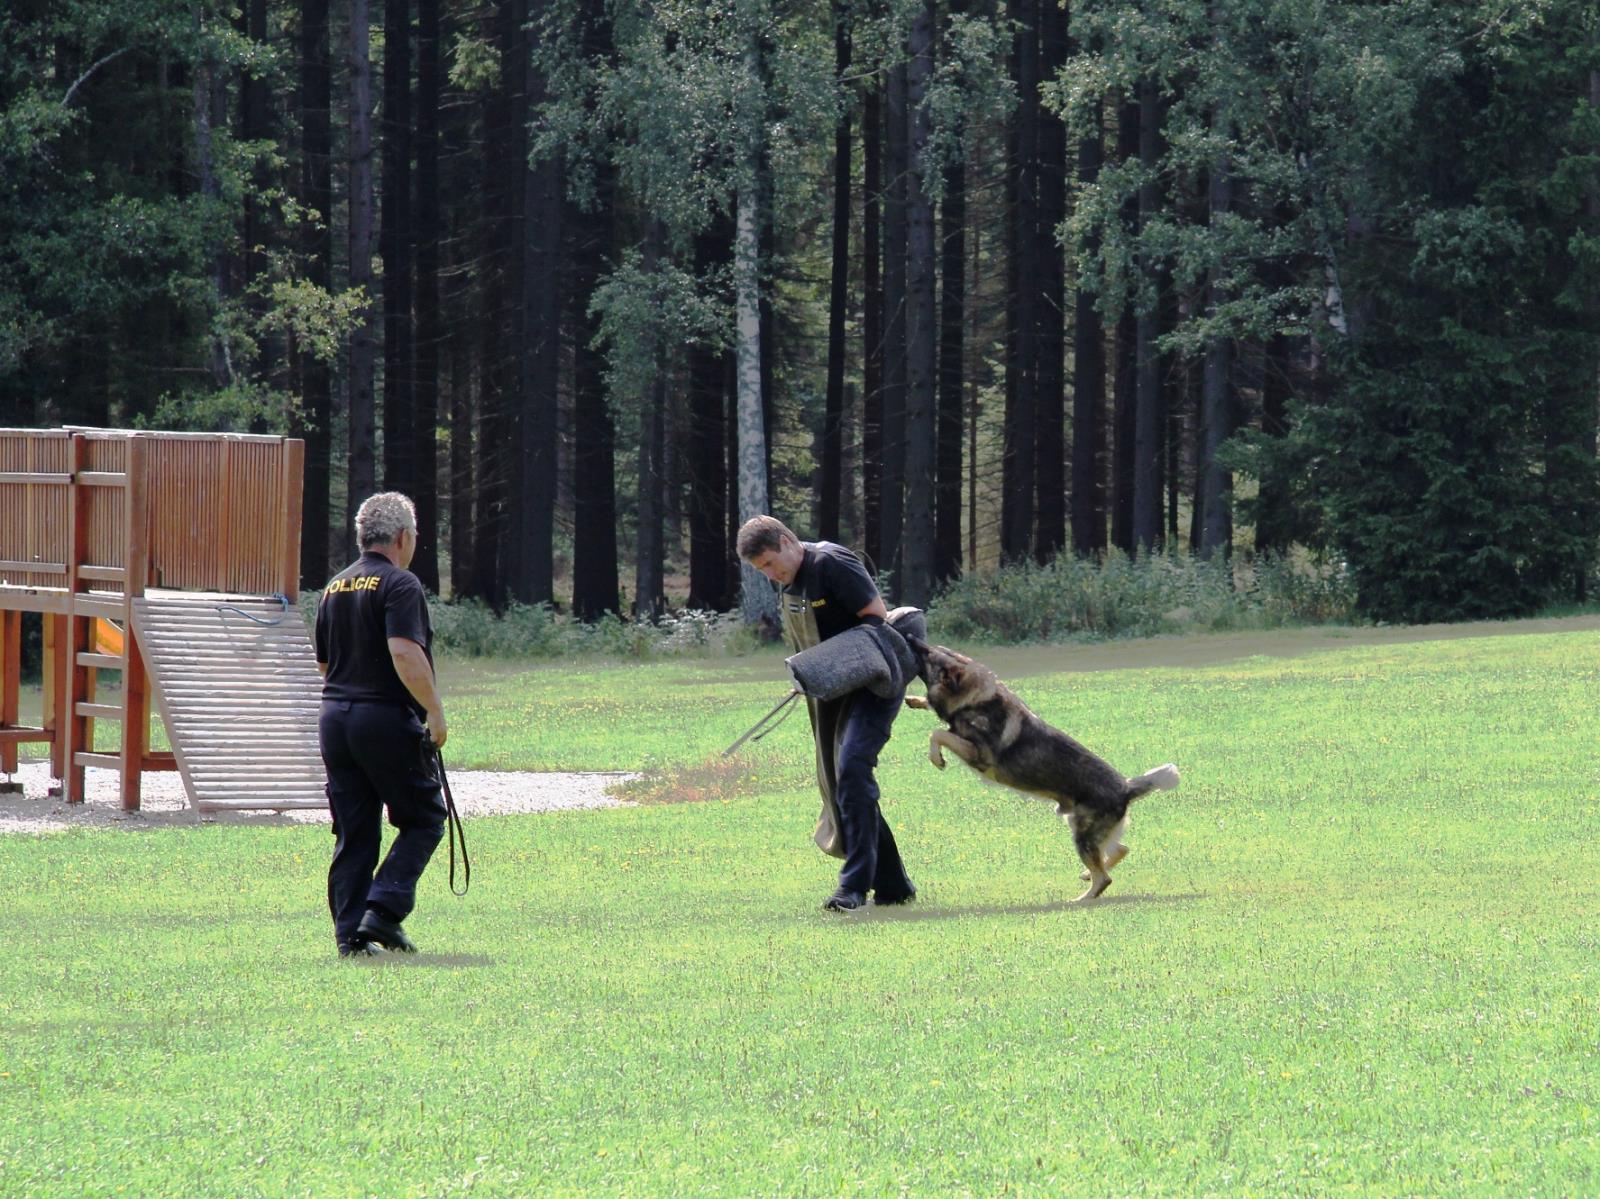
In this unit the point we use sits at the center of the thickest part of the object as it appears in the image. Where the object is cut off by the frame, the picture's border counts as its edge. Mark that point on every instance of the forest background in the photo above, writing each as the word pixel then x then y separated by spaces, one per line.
pixel 961 284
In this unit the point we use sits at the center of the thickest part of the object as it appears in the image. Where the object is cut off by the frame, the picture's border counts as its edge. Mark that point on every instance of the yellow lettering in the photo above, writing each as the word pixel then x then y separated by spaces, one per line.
pixel 360 583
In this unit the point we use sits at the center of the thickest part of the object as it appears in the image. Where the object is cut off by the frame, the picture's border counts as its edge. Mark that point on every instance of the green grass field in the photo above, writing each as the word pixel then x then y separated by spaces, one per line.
pixel 1356 953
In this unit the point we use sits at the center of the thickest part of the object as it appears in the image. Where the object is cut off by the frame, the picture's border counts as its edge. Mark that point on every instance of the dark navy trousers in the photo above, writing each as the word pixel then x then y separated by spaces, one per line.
pixel 374 757
pixel 872 859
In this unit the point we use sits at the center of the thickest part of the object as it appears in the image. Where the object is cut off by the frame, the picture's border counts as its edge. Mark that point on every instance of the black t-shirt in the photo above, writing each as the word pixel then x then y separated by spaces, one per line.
pixel 364 605
pixel 835 586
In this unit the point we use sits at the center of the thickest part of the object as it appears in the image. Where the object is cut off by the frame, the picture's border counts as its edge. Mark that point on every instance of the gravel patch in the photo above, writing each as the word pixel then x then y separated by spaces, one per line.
pixel 164 805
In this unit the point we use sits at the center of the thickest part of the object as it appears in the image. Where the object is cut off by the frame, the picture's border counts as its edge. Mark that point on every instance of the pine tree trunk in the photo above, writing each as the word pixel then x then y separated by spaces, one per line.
pixel 649 597
pixel 917 552
pixel 255 125
pixel 872 317
pixel 952 347
pixel 463 319
pixel 892 449
pixel 1150 416
pixel 1272 503
pixel 208 78
pixel 1050 484
pixel 1088 389
pixel 830 475
pixel 430 331
pixel 535 502
pixel 394 250
pixel 362 474
pixel 1217 403
pixel 1125 364
pixel 498 342
pixel 312 421
pixel 594 557
pixel 709 551
pixel 1022 300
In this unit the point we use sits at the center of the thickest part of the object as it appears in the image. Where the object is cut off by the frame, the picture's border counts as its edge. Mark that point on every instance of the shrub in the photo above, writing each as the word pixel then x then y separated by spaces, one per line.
pixel 1084 598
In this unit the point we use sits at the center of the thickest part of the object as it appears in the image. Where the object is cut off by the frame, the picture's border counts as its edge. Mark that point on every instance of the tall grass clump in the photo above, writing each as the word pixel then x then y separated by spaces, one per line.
pixel 1087 598
pixel 472 629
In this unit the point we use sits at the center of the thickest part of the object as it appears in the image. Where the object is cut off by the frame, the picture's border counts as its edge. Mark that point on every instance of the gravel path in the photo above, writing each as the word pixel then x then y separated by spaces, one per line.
pixel 163 804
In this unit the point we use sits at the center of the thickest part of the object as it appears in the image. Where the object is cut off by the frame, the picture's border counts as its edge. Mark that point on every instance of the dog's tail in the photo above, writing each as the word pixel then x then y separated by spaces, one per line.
pixel 1162 778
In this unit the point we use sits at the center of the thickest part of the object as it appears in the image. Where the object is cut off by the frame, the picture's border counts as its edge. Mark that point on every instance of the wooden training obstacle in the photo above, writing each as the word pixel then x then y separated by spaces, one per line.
pixel 147 554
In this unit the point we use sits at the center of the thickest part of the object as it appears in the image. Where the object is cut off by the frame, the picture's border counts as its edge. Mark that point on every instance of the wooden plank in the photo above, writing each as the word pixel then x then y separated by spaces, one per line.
pixel 10 684
pixel 209 806
pixel 103 574
pixel 74 728
pixel 101 661
pixel 35 478
pixel 103 761
pixel 34 568
pixel 99 711
pixel 135 747
pixel 289 517
pixel 101 478
pixel 22 734
pixel 111 607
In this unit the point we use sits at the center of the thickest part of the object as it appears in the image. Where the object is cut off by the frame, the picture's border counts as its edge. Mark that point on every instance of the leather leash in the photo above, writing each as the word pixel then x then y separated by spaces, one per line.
pixel 453 826
pixel 756 731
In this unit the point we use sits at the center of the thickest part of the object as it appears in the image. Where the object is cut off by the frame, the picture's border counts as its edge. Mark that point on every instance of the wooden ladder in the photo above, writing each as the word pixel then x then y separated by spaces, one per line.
pixel 235 680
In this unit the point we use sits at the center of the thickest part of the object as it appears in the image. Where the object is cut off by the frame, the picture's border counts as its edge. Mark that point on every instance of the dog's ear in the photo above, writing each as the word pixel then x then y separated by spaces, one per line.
pixel 953 674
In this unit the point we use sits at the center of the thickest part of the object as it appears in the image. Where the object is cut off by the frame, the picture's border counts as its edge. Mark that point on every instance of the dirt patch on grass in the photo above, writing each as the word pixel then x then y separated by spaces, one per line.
pixel 700 782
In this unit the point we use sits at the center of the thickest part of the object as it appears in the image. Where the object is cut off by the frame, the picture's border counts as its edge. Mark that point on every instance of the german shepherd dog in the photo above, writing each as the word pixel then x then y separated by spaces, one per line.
pixel 993 731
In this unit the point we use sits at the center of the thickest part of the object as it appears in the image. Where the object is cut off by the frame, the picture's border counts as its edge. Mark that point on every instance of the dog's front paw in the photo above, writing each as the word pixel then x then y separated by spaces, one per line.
pixel 917 702
pixel 936 756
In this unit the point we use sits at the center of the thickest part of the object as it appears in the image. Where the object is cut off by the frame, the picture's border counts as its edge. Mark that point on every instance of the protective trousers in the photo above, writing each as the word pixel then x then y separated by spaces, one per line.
pixel 373 755
pixel 871 857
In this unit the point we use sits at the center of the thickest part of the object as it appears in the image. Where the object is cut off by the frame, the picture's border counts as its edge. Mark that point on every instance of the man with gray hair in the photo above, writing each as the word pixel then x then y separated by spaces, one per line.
pixel 380 711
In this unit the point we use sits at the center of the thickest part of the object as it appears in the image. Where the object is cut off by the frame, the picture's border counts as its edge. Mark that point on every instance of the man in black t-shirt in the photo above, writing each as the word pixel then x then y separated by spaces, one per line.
pixel 825 590
pixel 380 702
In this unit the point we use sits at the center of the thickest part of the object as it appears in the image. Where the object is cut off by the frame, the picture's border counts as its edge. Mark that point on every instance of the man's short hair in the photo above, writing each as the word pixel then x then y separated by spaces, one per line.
pixel 760 534
pixel 383 517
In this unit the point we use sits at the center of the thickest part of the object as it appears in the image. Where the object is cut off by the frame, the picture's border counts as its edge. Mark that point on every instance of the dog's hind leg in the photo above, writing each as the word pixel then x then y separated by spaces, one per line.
pixel 1115 849
pixel 1099 876
pixel 1097 843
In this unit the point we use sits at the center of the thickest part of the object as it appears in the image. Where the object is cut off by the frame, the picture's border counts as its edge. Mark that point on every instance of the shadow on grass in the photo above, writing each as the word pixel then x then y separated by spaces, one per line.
pixel 436 961
pixel 914 912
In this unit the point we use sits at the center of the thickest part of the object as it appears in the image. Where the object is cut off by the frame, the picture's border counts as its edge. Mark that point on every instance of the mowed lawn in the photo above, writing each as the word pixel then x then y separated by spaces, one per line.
pixel 1356 952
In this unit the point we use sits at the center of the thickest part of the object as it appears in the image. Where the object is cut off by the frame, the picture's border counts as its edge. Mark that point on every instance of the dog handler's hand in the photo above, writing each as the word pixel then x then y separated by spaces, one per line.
pixel 436 728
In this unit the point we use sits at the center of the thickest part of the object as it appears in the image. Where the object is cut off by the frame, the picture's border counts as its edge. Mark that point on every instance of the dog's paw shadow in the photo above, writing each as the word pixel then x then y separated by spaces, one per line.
pixel 930 912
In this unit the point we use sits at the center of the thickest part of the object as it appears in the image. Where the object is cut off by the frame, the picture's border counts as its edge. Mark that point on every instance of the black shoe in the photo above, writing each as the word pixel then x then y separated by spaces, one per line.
pixel 360 949
pixel 906 896
pixel 845 901
pixel 377 927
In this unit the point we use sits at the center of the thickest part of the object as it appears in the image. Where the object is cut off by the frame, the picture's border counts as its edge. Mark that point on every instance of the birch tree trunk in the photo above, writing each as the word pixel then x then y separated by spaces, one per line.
pixel 757 602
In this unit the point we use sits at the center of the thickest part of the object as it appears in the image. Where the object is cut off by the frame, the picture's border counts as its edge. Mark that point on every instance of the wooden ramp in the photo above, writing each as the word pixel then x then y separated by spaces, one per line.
pixel 236 683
